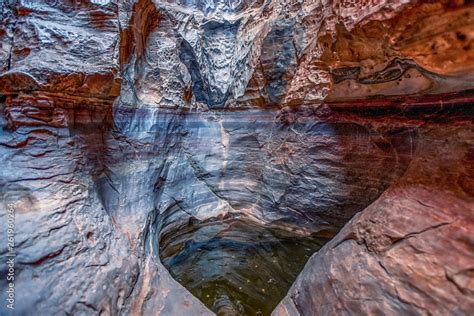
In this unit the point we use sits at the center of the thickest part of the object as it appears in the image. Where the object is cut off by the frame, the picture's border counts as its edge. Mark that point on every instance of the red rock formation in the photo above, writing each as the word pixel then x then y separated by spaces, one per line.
pixel 409 252
pixel 121 119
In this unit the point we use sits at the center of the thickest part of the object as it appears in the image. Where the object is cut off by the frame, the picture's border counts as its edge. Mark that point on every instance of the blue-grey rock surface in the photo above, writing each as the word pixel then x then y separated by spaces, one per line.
pixel 123 119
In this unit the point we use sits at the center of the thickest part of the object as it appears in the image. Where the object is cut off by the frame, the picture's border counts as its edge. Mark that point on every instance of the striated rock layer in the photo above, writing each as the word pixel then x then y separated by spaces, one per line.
pixel 124 121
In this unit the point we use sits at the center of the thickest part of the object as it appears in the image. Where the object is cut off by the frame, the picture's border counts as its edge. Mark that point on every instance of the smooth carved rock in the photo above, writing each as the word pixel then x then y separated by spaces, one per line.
pixel 411 250
pixel 122 120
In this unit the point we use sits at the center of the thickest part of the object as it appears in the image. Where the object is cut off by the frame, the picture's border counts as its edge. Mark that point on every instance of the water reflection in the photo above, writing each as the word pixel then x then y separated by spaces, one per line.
pixel 235 267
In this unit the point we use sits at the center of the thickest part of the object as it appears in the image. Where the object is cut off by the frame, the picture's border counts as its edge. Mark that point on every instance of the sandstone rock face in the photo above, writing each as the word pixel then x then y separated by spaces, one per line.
pixel 218 54
pixel 60 47
pixel 411 250
pixel 123 120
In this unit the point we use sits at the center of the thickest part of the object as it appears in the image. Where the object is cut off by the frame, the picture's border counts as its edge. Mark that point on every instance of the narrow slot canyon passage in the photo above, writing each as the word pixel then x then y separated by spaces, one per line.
pixel 236 157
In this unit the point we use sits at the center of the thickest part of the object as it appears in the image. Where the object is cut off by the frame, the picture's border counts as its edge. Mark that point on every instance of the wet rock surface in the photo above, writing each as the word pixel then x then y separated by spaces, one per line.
pixel 125 124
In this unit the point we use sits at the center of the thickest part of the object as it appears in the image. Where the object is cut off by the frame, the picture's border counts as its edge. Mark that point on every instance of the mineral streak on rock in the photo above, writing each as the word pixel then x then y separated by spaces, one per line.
pixel 123 121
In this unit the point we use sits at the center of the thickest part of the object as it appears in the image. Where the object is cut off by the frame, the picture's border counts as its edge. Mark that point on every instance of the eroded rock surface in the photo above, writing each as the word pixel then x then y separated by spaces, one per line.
pixel 123 120
pixel 218 54
pixel 411 250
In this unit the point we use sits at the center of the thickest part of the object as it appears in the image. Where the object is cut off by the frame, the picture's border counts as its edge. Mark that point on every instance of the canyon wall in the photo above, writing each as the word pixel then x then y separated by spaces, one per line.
pixel 123 120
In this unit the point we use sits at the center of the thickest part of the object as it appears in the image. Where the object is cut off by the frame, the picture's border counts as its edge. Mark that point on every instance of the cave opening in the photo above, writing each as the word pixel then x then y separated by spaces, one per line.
pixel 236 266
